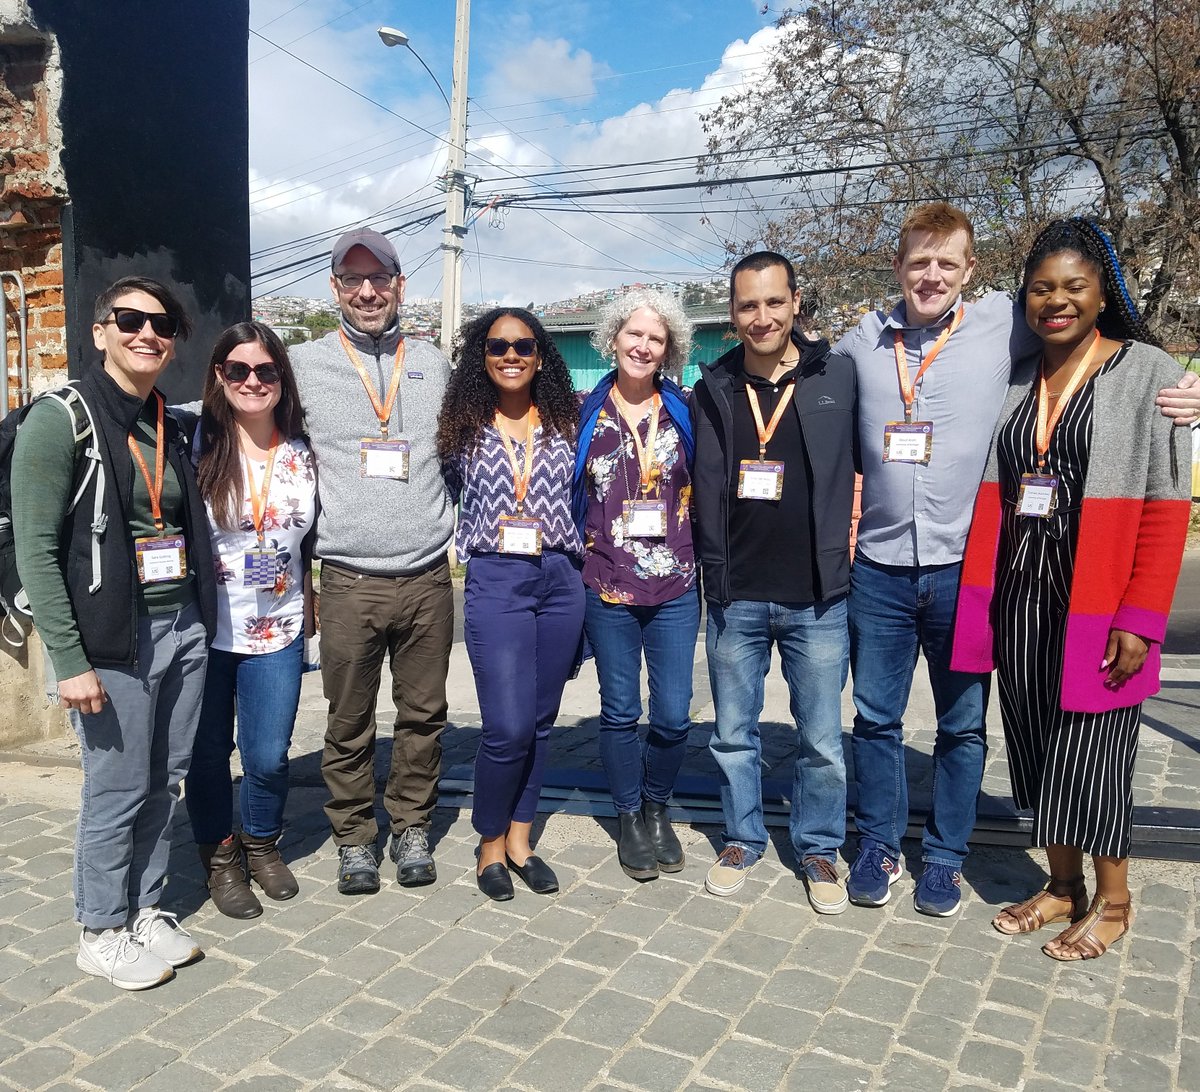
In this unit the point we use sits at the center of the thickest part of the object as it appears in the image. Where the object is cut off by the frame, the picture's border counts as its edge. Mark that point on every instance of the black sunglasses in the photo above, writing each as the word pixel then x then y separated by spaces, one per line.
pixel 524 346
pixel 235 371
pixel 129 320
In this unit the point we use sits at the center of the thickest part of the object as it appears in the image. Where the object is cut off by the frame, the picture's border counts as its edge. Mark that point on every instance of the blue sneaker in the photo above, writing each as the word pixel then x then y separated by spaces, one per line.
pixel 872 874
pixel 938 892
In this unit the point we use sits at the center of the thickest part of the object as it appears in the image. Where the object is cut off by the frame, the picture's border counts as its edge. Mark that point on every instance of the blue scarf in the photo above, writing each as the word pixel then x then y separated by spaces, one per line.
pixel 676 406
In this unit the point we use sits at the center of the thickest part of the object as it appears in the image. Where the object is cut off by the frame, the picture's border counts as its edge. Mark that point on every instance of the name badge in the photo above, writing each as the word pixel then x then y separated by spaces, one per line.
pixel 908 442
pixel 383 459
pixel 760 481
pixel 1038 495
pixel 160 559
pixel 645 519
pixel 259 569
pixel 520 536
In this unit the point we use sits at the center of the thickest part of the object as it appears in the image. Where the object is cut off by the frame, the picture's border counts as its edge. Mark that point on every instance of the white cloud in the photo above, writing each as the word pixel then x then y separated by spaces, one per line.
pixel 322 158
pixel 544 69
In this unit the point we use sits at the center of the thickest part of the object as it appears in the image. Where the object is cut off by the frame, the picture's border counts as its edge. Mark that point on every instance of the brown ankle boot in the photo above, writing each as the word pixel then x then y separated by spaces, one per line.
pixel 267 868
pixel 227 884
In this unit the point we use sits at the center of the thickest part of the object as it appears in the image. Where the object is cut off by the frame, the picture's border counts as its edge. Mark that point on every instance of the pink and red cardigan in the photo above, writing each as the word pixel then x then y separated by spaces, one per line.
pixel 1132 529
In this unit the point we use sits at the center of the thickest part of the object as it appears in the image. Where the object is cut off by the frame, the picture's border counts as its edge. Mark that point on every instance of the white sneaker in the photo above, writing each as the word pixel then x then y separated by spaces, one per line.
pixel 112 954
pixel 161 934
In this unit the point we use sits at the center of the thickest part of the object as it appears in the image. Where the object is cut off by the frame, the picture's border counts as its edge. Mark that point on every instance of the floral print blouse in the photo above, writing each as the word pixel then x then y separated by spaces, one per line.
pixel 620 568
pixel 255 620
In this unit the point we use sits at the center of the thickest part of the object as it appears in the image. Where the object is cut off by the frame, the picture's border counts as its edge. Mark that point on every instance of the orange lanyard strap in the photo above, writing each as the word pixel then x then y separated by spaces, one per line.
pixel 520 479
pixel 1047 420
pixel 645 453
pixel 258 501
pixel 155 487
pixel 907 389
pixel 765 434
pixel 383 410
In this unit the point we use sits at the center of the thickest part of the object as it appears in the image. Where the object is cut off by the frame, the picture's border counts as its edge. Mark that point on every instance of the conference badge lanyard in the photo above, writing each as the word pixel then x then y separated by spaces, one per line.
pixel 384 457
pixel 259 563
pixel 519 535
pixel 757 478
pixel 910 441
pixel 644 517
pixel 1038 495
pixel 160 557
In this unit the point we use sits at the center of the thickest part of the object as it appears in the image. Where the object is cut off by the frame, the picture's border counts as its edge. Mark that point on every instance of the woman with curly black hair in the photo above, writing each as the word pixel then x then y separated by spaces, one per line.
pixel 506 440
pixel 1070 567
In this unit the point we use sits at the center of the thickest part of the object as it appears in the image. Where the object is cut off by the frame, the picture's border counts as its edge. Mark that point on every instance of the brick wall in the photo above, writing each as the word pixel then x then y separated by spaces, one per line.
pixel 32 193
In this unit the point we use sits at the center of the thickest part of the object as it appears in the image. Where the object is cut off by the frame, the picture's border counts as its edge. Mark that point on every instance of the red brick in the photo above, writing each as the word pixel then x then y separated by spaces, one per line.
pixel 53 318
pixel 30 161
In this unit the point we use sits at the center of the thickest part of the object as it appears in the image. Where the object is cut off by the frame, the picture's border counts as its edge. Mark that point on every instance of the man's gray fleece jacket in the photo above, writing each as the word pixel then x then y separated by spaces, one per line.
pixel 375 525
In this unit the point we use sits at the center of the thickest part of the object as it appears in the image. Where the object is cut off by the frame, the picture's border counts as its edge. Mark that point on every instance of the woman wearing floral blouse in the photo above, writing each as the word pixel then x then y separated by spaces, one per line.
pixel 256 476
pixel 632 489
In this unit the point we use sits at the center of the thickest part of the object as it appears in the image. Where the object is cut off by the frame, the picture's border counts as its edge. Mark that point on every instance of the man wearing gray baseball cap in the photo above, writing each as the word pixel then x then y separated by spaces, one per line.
pixel 371 399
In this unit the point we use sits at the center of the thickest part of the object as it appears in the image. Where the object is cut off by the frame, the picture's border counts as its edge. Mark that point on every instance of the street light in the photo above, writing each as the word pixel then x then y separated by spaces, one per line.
pixel 455 229
pixel 390 36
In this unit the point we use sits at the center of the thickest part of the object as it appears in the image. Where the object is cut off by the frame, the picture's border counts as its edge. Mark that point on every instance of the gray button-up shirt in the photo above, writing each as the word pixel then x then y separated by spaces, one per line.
pixel 916 515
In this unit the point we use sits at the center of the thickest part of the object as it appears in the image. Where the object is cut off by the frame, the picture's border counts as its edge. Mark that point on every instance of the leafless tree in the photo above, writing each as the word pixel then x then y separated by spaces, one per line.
pixel 1018 112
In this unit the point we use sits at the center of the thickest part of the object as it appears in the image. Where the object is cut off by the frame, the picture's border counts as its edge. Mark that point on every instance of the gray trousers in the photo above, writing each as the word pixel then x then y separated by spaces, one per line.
pixel 135 753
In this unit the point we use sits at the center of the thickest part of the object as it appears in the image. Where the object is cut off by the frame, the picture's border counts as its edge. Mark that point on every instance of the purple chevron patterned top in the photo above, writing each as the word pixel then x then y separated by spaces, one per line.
pixel 484 483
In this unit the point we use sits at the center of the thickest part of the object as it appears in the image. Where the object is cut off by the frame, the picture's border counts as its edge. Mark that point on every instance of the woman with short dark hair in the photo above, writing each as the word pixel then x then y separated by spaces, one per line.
pixel 125 617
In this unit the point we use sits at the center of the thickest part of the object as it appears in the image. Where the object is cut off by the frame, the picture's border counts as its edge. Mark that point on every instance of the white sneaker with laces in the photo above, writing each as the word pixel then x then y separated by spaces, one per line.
pixel 160 933
pixel 112 954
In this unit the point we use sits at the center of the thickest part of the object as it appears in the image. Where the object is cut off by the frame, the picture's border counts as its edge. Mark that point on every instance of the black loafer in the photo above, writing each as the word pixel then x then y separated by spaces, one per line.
pixel 495 882
pixel 538 875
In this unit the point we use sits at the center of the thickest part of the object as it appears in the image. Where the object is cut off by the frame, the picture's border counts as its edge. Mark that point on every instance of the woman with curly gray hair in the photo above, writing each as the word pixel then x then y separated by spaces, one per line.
pixel 631 497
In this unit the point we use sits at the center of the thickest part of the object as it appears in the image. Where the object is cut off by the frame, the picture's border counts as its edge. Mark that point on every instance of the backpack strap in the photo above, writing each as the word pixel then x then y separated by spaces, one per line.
pixel 86 445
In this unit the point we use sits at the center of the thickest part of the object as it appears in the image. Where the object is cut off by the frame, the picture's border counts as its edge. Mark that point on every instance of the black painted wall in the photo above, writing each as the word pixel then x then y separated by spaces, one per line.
pixel 155 131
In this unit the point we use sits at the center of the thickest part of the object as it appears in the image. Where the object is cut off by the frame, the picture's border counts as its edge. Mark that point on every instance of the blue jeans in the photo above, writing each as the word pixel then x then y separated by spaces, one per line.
pixel 813 651
pixel 135 752
pixel 619 635
pixel 894 611
pixel 265 689
pixel 522 617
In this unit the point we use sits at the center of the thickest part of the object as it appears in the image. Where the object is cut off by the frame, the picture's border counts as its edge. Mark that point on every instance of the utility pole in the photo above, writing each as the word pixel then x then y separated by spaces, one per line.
pixel 456 184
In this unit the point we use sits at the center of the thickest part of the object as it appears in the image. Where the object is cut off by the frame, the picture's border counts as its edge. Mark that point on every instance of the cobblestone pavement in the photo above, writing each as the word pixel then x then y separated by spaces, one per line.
pixel 612 984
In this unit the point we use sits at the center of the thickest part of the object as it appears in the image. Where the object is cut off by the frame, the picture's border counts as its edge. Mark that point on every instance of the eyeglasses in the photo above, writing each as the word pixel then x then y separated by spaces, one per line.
pixel 524 346
pixel 235 371
pixel 352 282
pixel 129 320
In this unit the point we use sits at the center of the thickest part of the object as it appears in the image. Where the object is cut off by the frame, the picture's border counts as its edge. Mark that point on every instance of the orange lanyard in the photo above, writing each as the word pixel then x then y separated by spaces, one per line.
pixel 1047 420
pixel 645 454
pixel 765 434
pixel 383 410
pixel 154 488
pixel 258 502
pixel 520 480
pixel 907 389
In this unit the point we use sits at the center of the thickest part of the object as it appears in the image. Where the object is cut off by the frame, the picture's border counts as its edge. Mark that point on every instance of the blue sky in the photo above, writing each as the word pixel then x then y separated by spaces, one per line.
pixel 553 86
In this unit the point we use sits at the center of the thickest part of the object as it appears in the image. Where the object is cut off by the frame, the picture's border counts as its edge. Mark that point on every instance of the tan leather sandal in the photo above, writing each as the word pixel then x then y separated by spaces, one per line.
pixel 1079 942
pixel 1031 915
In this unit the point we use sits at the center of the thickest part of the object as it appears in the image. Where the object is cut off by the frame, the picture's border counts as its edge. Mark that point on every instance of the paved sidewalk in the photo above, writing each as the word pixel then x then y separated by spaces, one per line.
pixel 612 984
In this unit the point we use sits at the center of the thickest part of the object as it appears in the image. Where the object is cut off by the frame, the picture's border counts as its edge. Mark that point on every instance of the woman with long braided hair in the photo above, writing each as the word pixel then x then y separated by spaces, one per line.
pixel 506 438
pixel 1073 555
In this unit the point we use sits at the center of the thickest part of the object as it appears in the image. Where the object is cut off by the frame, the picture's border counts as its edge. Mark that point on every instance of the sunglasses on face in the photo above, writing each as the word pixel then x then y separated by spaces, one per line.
pixel 129 320
pixel 235 371
pixel 523 346
pixel 352 282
